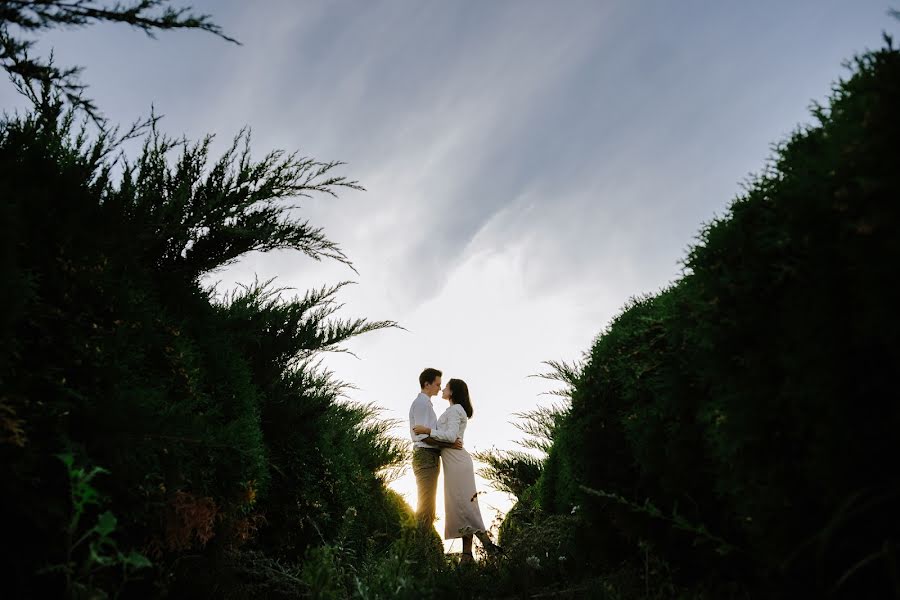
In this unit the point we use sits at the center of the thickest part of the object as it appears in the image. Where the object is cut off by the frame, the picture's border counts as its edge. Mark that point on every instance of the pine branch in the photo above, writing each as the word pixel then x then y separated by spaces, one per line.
pixel 198 218
pixel 540 425
pixel 34 16
pixel 566 373
pixel 298 329
pixel 509 471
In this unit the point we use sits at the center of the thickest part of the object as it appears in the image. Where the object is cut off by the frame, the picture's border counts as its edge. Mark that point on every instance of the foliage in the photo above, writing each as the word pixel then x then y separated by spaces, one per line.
pixel 212 412
pixel 19 18
pixel 514 472
pixel 101 553
pixel 739 419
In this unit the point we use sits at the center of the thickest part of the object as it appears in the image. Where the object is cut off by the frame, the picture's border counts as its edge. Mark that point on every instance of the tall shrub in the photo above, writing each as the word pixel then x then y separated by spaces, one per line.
pixel 741 419
pixel 208 415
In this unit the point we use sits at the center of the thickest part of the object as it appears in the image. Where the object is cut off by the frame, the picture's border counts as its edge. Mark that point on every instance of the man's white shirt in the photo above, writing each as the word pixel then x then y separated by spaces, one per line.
pixel 421 413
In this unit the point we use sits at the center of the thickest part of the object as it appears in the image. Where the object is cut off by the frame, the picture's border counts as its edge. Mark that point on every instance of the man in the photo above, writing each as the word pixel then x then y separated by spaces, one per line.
pixel 426 459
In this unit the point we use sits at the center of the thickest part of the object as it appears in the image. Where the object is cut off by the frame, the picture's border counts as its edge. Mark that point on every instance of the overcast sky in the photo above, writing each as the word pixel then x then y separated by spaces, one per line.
pixel 528 166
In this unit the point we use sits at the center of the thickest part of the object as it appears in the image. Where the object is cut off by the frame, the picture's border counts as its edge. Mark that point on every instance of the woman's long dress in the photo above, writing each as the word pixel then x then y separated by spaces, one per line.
pixel 463 516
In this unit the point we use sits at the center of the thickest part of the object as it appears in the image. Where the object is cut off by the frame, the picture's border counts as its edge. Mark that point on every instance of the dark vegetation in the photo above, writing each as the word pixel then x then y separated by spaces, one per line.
pixel 731 433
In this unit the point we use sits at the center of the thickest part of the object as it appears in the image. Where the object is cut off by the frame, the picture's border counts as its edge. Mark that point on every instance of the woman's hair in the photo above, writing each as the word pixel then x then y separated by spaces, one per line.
pixel 459 394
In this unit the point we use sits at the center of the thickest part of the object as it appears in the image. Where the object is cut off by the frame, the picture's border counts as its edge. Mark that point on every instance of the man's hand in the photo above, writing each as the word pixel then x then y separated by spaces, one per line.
pixel 457 444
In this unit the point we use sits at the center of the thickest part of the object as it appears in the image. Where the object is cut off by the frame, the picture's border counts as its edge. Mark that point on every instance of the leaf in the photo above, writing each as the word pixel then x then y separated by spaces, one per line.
pixel 136 560
pixel 96 558
pixel 94 472
pixel 106 524
pixel 67 459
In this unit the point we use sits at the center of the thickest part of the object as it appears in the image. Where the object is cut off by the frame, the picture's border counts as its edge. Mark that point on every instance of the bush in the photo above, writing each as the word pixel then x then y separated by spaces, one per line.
pixel 737 422
pixel 217 427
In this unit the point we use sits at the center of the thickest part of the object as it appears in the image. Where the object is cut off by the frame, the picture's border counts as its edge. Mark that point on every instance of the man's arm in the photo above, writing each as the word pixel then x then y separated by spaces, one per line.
pixel 430 440
pixel 419 414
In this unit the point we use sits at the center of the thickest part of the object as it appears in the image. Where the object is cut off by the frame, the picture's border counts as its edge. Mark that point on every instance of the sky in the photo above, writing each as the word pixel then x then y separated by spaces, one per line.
pixel 528 166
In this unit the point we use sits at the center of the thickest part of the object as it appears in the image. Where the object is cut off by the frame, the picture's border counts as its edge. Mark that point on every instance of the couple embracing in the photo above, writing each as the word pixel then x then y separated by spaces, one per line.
pixel 440 441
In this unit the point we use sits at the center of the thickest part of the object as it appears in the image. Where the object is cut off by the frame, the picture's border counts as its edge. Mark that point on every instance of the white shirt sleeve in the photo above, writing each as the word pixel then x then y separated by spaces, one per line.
pixel 451 431
pixel 418 416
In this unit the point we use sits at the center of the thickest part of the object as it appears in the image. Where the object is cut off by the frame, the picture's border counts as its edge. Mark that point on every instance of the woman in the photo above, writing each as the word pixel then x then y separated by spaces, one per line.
pixel 463 517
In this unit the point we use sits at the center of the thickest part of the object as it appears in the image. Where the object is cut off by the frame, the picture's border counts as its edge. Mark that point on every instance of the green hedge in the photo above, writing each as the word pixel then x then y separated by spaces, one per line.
pixel 204 421
pixel 740 423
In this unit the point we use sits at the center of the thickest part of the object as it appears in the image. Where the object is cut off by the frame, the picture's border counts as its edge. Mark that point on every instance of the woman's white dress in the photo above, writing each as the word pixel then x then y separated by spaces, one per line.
pixel 460 497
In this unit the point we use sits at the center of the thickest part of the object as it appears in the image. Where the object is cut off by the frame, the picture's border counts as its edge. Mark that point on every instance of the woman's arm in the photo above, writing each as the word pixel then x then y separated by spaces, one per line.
pixel 451 431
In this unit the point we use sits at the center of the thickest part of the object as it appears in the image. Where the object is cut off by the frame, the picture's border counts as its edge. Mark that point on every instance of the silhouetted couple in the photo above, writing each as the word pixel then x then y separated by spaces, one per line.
pixel 440 440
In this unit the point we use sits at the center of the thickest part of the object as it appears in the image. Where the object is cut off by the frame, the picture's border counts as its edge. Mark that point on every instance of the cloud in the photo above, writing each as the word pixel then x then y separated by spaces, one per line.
pixel 431 106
